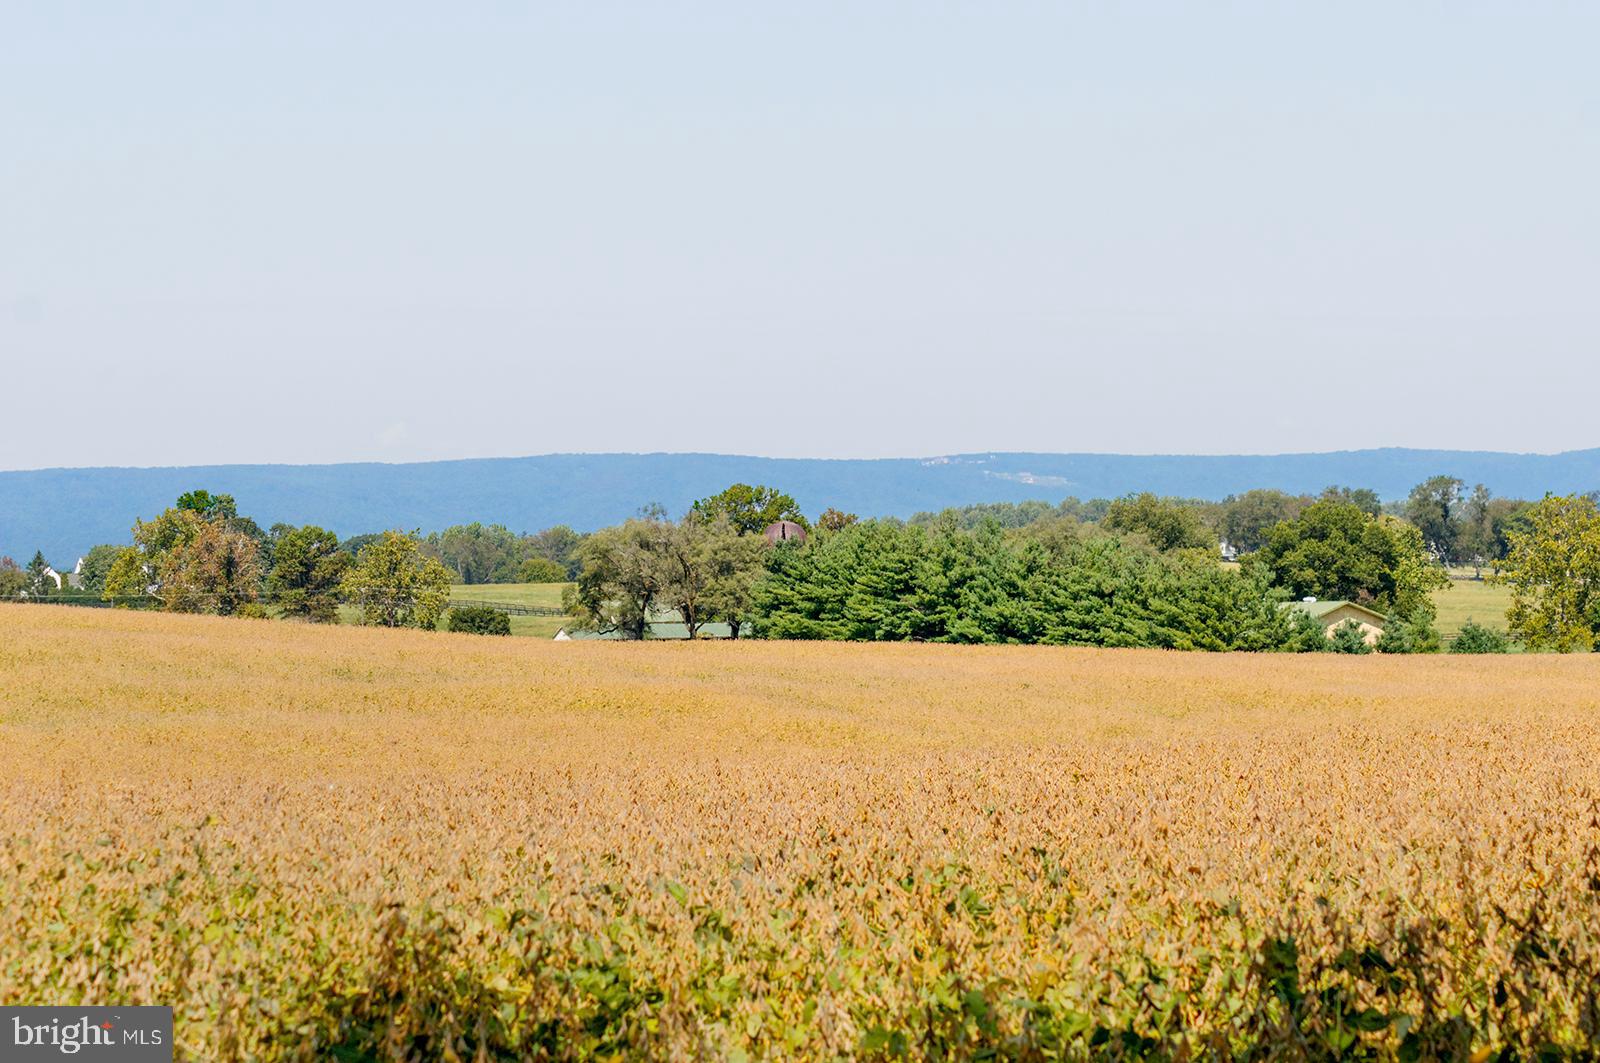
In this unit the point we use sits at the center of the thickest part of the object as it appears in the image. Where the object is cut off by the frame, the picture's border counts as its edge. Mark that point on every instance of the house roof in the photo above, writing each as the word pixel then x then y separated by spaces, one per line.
pixel 1319 609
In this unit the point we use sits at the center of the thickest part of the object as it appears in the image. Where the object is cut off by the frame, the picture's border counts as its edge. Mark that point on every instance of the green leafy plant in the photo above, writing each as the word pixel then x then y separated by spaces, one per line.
pixel 1414 634
pixel 395 584
pixel 479 620
pixel 541 570
pixel 1475 638
pixel 1348 638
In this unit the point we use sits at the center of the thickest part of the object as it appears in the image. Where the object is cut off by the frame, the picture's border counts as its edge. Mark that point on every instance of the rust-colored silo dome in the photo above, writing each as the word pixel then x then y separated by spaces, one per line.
pixel 784 531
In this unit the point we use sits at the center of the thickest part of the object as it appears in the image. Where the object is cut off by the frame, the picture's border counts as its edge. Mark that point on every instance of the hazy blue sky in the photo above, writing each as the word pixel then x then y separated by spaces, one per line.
pixel 335 231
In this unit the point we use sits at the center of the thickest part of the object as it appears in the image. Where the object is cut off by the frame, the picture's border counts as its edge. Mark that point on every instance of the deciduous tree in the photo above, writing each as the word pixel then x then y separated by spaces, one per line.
pixel 621 576
pixel 1167 523
pixel 558 544
pixel 1337 550
pixel 1476 638
pixel 709 572
pixel 396 585
pixel 193 558
pixel 199 565
pixel 1434 506
pixel 1244 520
pixel 1363 498
pixel 96 564
pixel 835 520
pixel 356 543
pixel 204 504
pixel 307 570
pixel 13 581
pixel 749 508
pixel 541 570
pixel 1554 574
pixel 477 553
pixel 1474 528
pixel 684 570
pixel 736 564
pixel 128 577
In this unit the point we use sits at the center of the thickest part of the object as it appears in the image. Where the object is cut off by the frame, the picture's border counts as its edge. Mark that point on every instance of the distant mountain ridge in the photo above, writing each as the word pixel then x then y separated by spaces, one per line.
pixel 65 511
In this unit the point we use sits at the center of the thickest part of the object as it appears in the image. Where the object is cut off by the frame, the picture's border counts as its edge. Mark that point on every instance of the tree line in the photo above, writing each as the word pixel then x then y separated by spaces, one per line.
pixel 201 555
pixel 1141 570
pixel 1458 526
pixel 1141 576
pixel 1136 571
pixel 703 568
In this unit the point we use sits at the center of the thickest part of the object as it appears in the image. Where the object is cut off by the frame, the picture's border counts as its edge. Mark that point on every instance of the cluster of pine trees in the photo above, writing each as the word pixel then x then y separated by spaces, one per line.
pixel 885 581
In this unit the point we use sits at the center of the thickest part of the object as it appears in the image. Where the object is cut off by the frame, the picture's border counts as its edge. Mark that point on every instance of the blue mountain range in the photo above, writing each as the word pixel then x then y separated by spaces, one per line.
pixel 65 511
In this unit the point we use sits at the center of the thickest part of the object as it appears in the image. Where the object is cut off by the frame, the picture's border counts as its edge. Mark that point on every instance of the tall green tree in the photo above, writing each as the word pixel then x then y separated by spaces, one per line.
pixel 803 592
pixel 749 508
pixel 204 504
pixel 1554 574
pixel 558 544
pixel 269 541
pixel 395 584
pixel 708 572
pixel 199 565
pixel 1168 523
pixel 1363 498
pixel 1475 528
pixel 307 570
pixel 130 576
pixel 1338 550
pixel 974 586
pixel 356 543
pixel 196 557
pixel 13 581
pixel 735 564
pixel 836 519
pixel 541 570
pixel 96 565
pixel 40 582
pixel 683 572
pixel 1244 520
pixel 1485 525
pixel 880 581
pixel 621 577
pixel 1434 506
pixel 491 553
pixel 1015 514
pixel 477 553
pixel 1508 517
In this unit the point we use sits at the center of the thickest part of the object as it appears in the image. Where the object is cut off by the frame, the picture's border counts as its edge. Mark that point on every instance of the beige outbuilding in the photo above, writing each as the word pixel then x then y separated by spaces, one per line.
pixel 1331 614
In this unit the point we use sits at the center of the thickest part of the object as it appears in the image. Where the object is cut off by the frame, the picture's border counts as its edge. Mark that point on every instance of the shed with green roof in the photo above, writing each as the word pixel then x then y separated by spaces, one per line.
pixel 1330 614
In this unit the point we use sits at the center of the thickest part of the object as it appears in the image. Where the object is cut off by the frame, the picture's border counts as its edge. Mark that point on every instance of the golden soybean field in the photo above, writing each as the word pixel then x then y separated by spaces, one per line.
pixel 368 845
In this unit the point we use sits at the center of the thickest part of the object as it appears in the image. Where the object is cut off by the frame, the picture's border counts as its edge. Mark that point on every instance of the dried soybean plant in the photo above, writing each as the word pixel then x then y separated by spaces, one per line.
pixel 394 845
